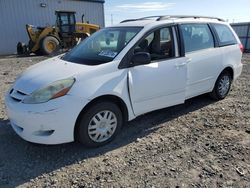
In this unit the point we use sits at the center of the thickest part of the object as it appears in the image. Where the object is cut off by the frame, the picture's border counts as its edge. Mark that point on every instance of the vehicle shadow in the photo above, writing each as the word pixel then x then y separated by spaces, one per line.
pixel 21 161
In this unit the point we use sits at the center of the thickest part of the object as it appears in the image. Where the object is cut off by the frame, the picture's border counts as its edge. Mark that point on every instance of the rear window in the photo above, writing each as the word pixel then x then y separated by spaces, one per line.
pixel 225 35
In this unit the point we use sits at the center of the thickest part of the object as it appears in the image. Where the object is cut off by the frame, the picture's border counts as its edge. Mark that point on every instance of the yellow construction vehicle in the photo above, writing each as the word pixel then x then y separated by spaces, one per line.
pixel 48 40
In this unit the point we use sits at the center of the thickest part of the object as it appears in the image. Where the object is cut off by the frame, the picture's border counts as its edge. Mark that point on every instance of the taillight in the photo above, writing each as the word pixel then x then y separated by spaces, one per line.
pixel 241 48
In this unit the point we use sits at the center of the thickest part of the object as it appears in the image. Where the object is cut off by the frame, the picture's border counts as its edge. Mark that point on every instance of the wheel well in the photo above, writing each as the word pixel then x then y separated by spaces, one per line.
pixel 230 71
pixel 111 98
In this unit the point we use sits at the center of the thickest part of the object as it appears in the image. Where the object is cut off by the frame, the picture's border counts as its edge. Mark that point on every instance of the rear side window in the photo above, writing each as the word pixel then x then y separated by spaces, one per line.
pixel 197 37
pixel 225 35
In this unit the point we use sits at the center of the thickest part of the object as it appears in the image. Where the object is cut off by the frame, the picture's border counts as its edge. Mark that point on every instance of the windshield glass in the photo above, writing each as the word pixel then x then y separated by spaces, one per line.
pixel 101 47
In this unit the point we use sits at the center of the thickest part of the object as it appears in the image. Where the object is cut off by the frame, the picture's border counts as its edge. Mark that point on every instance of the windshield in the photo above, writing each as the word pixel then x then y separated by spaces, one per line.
pixel 101 47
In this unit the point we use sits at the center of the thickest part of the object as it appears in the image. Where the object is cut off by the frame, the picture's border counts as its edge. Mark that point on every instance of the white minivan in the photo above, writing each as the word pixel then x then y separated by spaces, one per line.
pixel 121 72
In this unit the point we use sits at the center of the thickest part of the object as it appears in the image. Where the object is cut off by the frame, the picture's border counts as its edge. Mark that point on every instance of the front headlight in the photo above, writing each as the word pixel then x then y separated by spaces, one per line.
pixel 52 91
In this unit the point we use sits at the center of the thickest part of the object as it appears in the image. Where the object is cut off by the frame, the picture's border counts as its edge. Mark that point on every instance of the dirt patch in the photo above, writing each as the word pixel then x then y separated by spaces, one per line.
pixel 201 143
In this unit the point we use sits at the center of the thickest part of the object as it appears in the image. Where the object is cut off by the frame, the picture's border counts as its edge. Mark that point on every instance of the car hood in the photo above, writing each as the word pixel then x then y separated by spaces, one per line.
pixel 46 72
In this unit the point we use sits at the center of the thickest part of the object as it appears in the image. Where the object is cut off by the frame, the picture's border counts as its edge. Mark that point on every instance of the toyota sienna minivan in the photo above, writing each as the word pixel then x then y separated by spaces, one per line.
pixel 122 72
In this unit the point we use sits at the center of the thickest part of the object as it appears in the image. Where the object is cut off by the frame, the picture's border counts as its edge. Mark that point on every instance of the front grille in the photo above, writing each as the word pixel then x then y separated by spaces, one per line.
pixel 17 95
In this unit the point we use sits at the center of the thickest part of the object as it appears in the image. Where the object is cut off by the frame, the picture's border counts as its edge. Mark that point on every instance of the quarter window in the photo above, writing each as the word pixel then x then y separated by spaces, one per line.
pixel 225 35
pixel 129 36
pixel 197 37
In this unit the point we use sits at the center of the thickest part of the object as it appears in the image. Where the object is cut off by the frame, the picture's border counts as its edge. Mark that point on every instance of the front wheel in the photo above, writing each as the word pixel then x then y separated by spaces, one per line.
pixel 99 124
pixel 49 45
pixel 222 86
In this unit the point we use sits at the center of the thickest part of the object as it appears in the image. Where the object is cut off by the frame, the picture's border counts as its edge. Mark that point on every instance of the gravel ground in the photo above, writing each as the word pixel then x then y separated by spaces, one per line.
pixel 201 143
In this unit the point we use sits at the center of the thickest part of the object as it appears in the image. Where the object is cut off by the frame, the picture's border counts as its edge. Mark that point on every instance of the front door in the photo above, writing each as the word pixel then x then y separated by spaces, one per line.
pixel 162 82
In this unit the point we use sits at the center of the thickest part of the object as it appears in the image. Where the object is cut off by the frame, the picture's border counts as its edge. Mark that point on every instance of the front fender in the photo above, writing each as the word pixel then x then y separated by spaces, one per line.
pixel 106 80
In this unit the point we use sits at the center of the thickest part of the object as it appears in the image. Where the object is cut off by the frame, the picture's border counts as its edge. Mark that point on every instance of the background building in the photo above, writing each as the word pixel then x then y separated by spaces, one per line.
pixel 15 14
pixel 243 31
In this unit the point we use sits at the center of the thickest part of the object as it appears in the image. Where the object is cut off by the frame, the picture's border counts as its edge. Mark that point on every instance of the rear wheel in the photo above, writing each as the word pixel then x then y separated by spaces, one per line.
pixel 22 49
pixel 49 45
pixel 99 124
pixel 222 86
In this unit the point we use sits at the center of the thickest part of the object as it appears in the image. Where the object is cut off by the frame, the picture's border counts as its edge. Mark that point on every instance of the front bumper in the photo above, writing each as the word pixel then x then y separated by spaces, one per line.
pixel 52 122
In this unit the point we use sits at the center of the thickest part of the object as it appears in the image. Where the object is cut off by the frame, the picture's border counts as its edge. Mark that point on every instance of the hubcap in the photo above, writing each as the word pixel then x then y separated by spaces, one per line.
pixel 51 46
pixel 224 85
pixel 102 126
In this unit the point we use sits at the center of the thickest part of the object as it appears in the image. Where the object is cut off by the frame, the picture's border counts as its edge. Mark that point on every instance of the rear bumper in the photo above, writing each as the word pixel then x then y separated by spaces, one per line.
pixel 47 123
pixel 237 71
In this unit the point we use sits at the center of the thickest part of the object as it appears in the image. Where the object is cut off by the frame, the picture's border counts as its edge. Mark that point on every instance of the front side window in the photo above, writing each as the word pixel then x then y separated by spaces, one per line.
pixel 159 44
pixel 225 35
pixel 196 37
pixel 64 19
pixel 101 47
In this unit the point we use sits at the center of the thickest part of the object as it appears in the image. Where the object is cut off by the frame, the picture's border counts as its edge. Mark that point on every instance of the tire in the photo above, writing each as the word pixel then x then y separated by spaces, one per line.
pixel 93 126
pixel 49 45
pixel 219 92
pixel 21 49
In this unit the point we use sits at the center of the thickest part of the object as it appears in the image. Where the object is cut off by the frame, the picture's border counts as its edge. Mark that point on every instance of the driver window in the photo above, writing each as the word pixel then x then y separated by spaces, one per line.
pixel 159 44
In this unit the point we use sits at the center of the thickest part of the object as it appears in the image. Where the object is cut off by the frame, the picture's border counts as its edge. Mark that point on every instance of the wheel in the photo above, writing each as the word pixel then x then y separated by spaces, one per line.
pixel 21 49
pixel 222 86
pixel 99 124
pixel 49 45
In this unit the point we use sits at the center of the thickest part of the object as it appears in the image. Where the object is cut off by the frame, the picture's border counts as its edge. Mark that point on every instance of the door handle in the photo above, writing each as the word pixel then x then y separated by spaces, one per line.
pixel 178 65
pixel 189 60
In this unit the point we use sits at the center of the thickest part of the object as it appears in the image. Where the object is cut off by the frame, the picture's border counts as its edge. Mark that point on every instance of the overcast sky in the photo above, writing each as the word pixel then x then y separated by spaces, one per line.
pixel 231 10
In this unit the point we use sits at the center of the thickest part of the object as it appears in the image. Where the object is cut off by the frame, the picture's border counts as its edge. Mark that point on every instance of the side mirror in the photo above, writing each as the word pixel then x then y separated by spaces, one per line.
pixel 140 58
